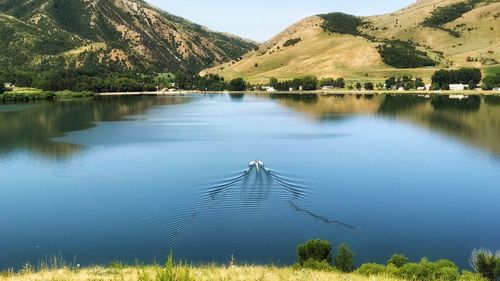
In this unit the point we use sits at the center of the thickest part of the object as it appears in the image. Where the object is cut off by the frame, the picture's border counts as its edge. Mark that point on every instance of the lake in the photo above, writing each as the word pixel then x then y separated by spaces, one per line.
pixel 121 179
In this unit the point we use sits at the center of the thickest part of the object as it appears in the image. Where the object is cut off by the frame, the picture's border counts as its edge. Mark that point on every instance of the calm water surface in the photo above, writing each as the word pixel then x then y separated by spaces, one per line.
pixel 120 179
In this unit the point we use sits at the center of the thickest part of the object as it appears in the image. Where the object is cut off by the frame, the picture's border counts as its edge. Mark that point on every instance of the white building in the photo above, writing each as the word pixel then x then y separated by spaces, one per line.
pixel 9 85
pixel 328 87
pixel 269 89
pixel 458 87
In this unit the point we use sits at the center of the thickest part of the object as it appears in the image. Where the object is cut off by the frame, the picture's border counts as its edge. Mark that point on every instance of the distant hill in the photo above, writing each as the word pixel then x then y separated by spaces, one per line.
pixel 37 34
pixel 416 40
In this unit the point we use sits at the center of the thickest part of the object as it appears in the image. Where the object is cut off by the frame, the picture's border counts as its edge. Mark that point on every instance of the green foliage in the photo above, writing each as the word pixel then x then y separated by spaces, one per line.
pixel 447 14
pixel 341 23
pixel 344 261
pixel 307 83
pixel 315 265
pixel 400 54
pixel 405 82
pixel 485 263
pixel 170 272
pixel 237 85
pixel 398 260
pixel 10 97
pixel 369 86
pixel 425 270
pixel 2 87
pixel 470 276
pixel 444 77
pixel 292 42
pixel 371 269
pixel 317 250
pixel 491 81
pixel 330 82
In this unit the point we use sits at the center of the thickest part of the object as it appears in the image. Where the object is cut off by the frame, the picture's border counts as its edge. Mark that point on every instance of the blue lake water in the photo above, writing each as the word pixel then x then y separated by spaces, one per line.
pixel 124 179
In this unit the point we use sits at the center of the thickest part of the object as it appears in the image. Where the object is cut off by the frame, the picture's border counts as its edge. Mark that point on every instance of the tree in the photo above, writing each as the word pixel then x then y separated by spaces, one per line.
pixel 309 83
pixel 273 82
pixel 485 263
pixel 358 86
pixel 344 261
pixel 328 82
pixel 2 87
pixel 390 83
pixel 317 250
pixel 369 86
pixel 491 81
pixel 497 268
pixel 237 85
pixel 398 260
pixel 340 83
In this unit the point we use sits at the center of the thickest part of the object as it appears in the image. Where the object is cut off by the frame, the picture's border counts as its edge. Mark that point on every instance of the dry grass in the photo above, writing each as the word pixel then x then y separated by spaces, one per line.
pixel 352 57
pixel 206 273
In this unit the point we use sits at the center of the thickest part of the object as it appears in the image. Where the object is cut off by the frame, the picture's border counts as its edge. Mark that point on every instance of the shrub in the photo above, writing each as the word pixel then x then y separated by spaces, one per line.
pixel 2 88
pixel 398 260
pixel 485 263
pixel 425 270
pixel 470 276
pixel 292 42
pixel 315 265
pixel 344 261
pixel 371 269
pixel 317 250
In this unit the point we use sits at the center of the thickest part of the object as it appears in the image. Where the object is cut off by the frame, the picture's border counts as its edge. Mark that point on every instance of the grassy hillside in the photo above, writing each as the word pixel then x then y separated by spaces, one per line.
pixel 446 34
pixel 114 33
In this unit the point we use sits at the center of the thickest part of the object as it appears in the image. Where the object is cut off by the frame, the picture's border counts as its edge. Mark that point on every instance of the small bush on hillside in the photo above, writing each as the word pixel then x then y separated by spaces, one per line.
pixel 470 276
pixel 371 269
pixel 315 265
pixel 292 42
pixel 344 261
pixel 317 250
pixel 398 260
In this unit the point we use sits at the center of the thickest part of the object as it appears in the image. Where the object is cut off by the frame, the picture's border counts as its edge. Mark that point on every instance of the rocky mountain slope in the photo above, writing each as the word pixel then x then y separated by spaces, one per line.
pixel 416 40
pixel 111 33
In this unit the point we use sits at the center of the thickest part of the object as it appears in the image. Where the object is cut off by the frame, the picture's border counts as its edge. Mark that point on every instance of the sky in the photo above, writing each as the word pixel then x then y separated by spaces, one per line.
pixel 260 20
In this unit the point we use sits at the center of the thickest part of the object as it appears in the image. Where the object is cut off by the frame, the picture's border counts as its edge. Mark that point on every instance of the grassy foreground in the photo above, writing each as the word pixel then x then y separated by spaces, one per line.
pixel 154 273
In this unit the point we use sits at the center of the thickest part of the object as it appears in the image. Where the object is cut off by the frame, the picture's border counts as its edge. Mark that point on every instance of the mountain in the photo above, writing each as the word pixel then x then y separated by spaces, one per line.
pixel 36 34
pixel 417 40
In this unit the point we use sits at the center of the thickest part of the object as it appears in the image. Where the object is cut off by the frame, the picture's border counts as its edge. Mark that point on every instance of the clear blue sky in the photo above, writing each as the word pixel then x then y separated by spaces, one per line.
pixel 261 19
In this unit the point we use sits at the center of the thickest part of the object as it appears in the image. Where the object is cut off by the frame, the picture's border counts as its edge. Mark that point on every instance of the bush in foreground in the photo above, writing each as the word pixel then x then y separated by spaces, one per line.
pixel 315 250
pixel 344 261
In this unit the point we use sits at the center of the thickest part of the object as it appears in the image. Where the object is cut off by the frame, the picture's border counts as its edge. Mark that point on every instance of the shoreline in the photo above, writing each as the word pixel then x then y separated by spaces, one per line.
pixel 314 92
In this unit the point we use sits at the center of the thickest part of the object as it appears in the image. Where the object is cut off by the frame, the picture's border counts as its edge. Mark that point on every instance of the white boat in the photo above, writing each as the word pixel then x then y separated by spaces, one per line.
pixel 257 164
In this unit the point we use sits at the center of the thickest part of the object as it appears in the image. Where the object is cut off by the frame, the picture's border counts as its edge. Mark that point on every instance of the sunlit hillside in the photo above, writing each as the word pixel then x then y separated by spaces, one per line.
pixel 472 39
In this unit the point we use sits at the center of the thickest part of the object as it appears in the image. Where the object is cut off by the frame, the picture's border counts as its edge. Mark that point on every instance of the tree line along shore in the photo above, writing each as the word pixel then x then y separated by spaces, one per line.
pixel 21 86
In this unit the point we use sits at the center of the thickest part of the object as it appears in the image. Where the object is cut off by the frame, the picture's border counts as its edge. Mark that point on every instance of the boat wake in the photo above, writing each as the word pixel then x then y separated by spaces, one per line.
pixel 246 193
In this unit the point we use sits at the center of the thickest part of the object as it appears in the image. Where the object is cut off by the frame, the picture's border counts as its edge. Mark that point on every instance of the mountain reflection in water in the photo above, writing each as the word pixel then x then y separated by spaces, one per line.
pixel 474 120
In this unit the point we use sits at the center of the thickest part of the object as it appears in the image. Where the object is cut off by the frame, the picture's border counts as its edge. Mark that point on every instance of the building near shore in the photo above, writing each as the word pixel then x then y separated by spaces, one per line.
pixel 458 87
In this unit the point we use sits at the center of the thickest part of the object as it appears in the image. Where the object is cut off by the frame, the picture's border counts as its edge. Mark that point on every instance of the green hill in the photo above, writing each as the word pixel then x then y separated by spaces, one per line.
pixel 416 40
pixel 132 34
